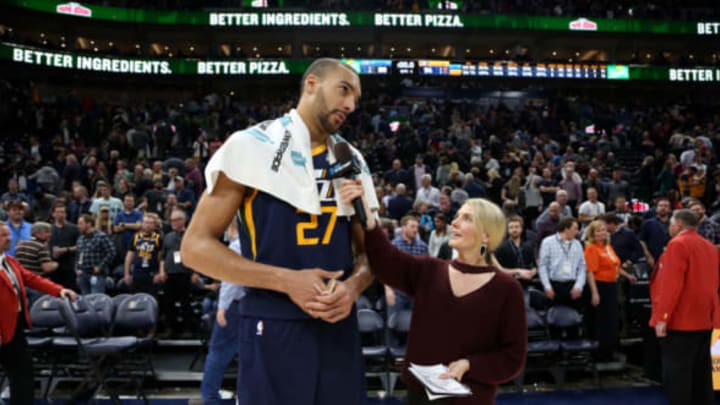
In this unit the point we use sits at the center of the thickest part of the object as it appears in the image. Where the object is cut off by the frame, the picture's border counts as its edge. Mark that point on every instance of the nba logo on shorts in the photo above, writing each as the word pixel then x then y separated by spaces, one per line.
pixel 260 327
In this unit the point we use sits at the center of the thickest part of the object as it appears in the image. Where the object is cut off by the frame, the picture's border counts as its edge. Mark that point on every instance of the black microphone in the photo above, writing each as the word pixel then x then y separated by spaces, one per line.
pixel 346 167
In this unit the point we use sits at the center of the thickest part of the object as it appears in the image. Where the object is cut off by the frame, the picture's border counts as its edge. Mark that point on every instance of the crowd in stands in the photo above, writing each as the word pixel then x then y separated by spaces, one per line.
pixel 658 9
pixel 129 177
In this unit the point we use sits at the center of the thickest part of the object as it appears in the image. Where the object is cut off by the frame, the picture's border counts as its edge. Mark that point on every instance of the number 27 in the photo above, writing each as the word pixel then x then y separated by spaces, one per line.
pixel 312 224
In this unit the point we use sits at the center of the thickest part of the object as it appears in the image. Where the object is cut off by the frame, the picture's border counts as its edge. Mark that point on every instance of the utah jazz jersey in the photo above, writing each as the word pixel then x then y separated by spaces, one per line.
pixel 276 233
pixel 147 253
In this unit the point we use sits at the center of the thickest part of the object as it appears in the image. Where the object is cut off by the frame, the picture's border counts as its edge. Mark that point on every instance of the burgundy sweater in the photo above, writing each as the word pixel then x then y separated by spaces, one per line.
pixel 486 326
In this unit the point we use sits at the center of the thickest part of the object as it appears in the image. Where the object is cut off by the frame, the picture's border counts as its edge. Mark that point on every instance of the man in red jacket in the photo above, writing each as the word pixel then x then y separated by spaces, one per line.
pixel 684 292
pixel 14 317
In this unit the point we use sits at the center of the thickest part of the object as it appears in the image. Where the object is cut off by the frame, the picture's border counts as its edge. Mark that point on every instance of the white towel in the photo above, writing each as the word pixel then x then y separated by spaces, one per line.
pixel 275 157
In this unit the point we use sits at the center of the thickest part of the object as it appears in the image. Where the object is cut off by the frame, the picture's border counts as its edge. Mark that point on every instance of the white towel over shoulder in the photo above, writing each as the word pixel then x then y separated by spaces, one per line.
pixel 275 157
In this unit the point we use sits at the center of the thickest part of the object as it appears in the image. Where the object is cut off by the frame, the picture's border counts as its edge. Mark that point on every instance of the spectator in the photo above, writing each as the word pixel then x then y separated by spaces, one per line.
pixel 439 235
pixel 155 198
pixel 410 243
pixel 34 255
pixel 515 254
pixel 548 224
pixel 194 177
pixel 419 172
pixel 397 175
pixel 142 262
pixel 603 269
pixel 548 187
pixel 561 264
pixel 13 194
pixel 533 197
pixel 426 191
pixel 621 210
pixel 590 209
pixel 617 186
pixel 472 187
pixel 654 232
pixel 706 228
pixel 178 285
pixel 80 204
pixel 624 242
pixel 19 228
pixel 127 221
pixel 105 199
pixel 42 204
pixel 63 244
pixel 400 204
pixel 225 336
pixel 94 255
pixel 572 184
pixel 185 197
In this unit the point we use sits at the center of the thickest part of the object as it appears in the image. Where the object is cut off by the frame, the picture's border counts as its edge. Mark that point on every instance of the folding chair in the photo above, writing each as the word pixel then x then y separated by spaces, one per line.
pixel 137 316
pixel 374 349
pixel 104 308
pixel 99 354
pixel 542 349
pixel 45 317
pixel 398 328
pixel 577 351
pixel 363 302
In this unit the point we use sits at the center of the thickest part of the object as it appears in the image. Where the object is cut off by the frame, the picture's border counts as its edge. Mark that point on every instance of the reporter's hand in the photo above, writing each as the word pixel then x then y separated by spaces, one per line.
pixel 220 318
pixel 550 293
pixel 575 293
pixel 303 286
pixel 333 307
pixel 351 189
pixel 70 294
pixel 595 300
pixel 456 370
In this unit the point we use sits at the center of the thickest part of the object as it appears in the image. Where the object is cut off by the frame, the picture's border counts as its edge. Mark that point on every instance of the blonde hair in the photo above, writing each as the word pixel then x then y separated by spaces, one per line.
pixel 489 219
pixel 590 232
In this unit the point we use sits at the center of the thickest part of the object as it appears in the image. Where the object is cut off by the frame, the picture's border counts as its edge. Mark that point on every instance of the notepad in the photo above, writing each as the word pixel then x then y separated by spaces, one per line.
pixel 435 387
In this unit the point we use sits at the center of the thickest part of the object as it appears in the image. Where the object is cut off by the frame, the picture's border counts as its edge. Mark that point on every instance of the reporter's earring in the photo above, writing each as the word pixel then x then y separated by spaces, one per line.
pixel 483 250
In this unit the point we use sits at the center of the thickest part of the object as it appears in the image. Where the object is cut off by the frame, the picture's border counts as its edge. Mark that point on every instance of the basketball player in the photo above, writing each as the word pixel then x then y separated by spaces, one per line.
pixel 303 257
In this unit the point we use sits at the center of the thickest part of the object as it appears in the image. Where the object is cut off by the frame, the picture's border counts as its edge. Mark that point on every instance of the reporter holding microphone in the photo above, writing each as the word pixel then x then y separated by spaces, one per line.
pixel 468 314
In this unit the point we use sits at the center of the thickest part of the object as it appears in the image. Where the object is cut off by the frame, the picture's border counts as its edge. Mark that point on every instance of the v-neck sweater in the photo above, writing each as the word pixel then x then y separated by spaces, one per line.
pixel 486 326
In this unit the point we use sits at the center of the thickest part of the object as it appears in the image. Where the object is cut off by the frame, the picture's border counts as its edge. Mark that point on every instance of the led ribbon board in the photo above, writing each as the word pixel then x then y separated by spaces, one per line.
pixel 444 19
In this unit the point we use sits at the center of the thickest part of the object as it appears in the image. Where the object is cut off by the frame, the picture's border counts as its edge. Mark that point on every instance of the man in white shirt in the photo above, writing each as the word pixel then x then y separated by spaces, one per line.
pixel 426 192
pixel 591 208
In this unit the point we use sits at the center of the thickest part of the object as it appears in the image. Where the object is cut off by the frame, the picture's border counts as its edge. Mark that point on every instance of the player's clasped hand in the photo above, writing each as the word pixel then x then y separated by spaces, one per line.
pixel 334 306
pixel 302 286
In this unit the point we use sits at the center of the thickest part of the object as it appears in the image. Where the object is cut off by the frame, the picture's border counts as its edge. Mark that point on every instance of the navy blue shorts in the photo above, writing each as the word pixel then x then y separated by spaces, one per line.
pixel 300 362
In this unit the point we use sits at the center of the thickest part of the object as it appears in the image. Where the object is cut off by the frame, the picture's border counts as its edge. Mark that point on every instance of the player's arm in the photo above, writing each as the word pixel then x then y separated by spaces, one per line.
pixel 361 277
pixel 202 250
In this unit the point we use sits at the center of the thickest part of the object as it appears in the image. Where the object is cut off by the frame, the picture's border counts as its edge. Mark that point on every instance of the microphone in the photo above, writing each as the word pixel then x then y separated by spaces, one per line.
pixel 347 168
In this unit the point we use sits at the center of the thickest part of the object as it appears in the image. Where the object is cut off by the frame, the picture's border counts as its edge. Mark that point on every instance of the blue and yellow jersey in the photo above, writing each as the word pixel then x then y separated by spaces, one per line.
pixel 147 252
pixel 276 233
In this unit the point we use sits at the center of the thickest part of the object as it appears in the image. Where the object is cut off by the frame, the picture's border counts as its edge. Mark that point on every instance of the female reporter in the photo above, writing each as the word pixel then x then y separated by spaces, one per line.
pixel 468 314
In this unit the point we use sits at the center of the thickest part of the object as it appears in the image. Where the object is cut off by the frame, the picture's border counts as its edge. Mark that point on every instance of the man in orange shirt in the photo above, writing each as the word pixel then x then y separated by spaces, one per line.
pixel 684 292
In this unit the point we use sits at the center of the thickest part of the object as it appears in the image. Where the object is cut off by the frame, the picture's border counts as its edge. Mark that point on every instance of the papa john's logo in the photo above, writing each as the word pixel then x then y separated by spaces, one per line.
pixel 583 24
pixel 73 8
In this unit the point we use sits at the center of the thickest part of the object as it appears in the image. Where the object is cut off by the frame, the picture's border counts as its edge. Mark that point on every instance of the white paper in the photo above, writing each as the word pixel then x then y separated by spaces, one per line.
pixel 436 387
